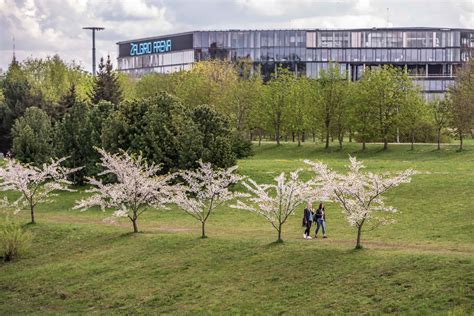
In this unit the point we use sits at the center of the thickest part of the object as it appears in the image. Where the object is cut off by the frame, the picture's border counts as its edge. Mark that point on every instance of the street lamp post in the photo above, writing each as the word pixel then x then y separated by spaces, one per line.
pixel 93 29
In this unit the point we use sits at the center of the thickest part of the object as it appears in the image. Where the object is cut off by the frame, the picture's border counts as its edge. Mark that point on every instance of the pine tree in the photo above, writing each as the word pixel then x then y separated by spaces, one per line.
pixel 66 102
pixel 15 89
pixel 32 135
pixel 106 85
pixel 73 139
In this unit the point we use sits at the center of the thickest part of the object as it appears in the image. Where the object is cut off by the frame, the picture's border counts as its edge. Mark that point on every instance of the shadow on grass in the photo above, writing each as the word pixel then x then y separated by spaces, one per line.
pixel 274 244
pixel 131 234
pixel 29 225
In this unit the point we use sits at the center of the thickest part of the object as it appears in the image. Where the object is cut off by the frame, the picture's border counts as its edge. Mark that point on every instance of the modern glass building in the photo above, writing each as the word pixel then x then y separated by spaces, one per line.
pixel 430 55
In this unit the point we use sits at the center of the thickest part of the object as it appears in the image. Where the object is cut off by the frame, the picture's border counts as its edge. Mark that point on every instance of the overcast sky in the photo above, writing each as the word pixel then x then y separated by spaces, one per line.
pixel 45 27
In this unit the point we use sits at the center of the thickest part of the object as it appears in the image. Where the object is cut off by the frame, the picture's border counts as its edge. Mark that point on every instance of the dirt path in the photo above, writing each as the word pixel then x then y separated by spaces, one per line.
pixel 461 249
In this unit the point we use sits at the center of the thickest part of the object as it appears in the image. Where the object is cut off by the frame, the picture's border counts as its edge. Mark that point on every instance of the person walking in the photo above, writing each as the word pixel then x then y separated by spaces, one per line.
pixel 320 216
pixel 308 220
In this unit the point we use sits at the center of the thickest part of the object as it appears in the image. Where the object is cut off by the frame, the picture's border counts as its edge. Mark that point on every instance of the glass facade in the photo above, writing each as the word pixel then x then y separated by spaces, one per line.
pixel 430 55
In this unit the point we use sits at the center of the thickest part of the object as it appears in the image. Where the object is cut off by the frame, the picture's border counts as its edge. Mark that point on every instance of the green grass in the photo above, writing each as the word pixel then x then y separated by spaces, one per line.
pixel 421 265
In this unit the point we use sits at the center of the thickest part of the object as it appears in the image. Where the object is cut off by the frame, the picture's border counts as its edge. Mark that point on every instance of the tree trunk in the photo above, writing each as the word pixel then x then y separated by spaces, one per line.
pixel 203 230
pixel 350 135
pixel 327 138
pixel 461 147
pixel 340 138
pixel 32 211
pixel 259 137
pixel 135 227
pixel 385 143
pixel 314 136
pixel 439 138
pixel 279 233
pixel 293 136
pixel 359 233
pixel 277 135
pixel 363 144
pixel 299 139
pixel 303 136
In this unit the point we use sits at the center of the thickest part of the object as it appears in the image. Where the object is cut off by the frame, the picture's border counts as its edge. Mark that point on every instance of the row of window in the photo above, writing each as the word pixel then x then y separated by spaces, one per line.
pixel 385 55
pixel 421 73
pixel 339 55
pixel 395 39
pixel 310 39
pixel 154 60
pixel 249 39
pixel 161 70
pixel 434 85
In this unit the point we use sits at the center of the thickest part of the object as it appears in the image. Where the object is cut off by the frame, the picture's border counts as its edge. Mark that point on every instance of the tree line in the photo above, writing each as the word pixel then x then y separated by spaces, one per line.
pixel 51 108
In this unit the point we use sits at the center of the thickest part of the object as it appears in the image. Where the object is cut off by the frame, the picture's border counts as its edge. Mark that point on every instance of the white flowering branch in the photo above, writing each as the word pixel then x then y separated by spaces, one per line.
pixel 36 184
pixel 360 193
pixel 276 202
pixel 203 190
pixel 137 187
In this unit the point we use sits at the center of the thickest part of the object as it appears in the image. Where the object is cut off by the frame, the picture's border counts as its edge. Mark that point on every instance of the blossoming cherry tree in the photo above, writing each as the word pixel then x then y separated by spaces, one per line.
pixel 36 184
pixel 276 202
pixel 137 187
pixel 203 190
pixel 360 193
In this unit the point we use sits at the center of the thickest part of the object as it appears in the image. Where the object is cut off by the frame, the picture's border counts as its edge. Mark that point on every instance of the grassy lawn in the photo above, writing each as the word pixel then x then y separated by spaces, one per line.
pixel 421 265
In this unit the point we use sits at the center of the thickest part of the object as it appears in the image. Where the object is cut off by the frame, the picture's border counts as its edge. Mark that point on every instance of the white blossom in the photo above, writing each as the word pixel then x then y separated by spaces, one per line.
pixel 360 193
pixel 276 202
pixel 36 184
pixel 137 187
pixel 203 190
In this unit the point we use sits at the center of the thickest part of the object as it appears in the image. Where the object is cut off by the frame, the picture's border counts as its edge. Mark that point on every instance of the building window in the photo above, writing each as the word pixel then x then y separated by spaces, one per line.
pixel 325 39
pixel 311 39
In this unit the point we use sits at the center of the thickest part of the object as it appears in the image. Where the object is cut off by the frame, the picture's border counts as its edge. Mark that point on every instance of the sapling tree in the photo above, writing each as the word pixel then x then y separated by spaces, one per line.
pixel 360 193
pixel 276 202
pixel 136 188
pixel 203 190
pixel 36 184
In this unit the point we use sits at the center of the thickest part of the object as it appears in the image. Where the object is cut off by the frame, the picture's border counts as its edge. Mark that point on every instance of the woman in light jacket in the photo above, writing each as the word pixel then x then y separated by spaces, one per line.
pixel 308 220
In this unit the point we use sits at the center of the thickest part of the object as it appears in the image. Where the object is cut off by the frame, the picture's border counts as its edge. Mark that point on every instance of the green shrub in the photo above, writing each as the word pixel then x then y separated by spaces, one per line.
pixel 32 135
pixel 241 147
pixel 14 240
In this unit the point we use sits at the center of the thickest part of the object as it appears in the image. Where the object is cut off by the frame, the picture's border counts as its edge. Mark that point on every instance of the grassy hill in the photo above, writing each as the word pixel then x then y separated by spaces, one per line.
pixel 424 264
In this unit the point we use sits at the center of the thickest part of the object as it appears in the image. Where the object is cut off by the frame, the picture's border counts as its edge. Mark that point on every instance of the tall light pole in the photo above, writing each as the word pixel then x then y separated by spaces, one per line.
pixel 93 29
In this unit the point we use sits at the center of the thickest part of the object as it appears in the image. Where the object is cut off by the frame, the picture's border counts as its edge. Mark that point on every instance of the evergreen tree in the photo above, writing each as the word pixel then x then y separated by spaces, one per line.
pixel 32 135
pixel 106 85
pixel 16 90
pixel 67 101
pixel 73 139
pixel 159 128
pixel 216 137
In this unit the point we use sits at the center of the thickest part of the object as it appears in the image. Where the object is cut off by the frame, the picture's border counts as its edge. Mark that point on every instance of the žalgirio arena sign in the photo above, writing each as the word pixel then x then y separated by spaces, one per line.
pixel 150 47
pixel 157 45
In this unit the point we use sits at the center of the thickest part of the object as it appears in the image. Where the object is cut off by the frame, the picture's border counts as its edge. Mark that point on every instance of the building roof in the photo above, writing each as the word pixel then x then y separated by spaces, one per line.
pixel 416 28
